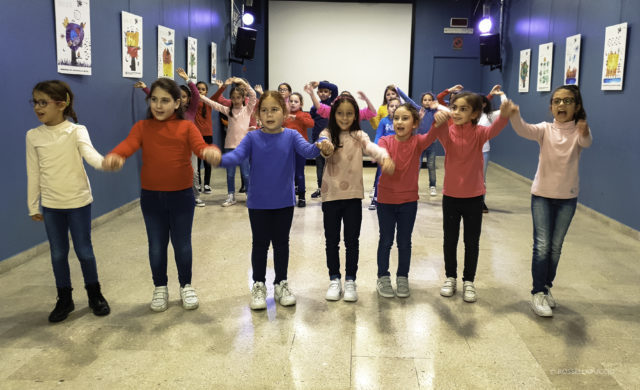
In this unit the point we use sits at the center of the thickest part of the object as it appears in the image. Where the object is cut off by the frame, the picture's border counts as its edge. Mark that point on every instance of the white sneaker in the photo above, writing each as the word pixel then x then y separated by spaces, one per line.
pixel 540 306
pixel 160 300
pixel 373 204
pixel 468 292
pixel 334 291
pixel 231 200
pixel 550 300
pixel 432 191
pixel 189 297
pixel 199 203
pixel 283 294
pixel 207 189
pixel 350 292
pixel 448 288
pixel 258 296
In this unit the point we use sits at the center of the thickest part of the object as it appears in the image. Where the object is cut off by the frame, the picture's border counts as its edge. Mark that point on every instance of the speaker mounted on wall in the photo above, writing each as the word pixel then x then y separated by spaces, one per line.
pixel 490 51
pixel 245 45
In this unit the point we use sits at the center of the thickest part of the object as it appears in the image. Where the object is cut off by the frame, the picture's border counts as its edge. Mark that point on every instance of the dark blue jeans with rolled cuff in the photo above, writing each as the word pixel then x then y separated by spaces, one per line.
pixel 270 226
pixel 430 154
pixel 168 215
pixel 551 220
pixel 403 216
pixel 58 223
pixel 334 214
pixel 470 211
pixel 231 174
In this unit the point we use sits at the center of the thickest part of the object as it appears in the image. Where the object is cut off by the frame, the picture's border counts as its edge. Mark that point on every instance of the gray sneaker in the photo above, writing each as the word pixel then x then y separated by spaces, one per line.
pixel 384 287
pixel 550 299
pixel 448 288
pixel 402 287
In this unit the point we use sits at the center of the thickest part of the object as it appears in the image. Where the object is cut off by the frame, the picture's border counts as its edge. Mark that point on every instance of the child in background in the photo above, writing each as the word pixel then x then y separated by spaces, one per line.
pixel 166 198
pixel 486 119
pixel 57 181
pixel 462 139
pixel 384 128
pixel 327 92
pixel 398 198
pixel 449 91
pixel 239 117
pixel 389 93
pixel 299 121
pixel 204 124
pixel 342 192
pixel 324 110
pixel 554 192
pixel 271 196
pixel 429 107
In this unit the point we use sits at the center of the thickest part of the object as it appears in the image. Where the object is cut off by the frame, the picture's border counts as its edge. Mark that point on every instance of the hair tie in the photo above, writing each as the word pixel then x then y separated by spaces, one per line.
pixel 68 99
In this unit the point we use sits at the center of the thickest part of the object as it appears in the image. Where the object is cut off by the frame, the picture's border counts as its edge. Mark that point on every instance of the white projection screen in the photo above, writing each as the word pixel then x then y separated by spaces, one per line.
pixel 357 46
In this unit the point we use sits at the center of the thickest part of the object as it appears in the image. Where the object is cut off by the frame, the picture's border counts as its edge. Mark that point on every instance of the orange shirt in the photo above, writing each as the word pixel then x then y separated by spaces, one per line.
pixel 166 152
pixel 204 122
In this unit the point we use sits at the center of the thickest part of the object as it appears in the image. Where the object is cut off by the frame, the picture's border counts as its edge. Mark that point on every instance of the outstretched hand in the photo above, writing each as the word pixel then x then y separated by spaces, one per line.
pixel 362 96
pixel 421 113
pixel 456 88
pixel 212 156
pixel 112 162
pixel 314 84
pixel 508 109
pixel 258 89
pixel 228 81
pixel 325 146
pixel 182 74
pixel 388 166
pixel 496 90
pixel 441 117
pixel 308 88
pixel 583 127
pixel 218 83
pixel 139 84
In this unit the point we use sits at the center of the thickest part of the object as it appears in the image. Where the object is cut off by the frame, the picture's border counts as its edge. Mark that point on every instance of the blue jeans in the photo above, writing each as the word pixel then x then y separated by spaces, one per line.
pixel 58 223
pixel 231 175
pixel 404 216
pixel 168 214
pixel 299 176
pixel 551 220
pixel 334 214
pixel 430 154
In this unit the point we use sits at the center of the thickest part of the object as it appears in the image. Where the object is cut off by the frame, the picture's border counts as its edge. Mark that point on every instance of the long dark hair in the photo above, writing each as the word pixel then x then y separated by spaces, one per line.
pixel 474 100
pixel 171 88
pixel 203 112
pixel 58 91
pixel 333 127
pixel 186 90
pixel 579 113
pixel 242 93
pixel 389 87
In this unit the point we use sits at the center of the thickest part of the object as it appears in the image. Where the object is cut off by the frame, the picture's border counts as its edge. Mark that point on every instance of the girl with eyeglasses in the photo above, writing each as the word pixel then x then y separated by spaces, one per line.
pixel 554 192
pixel 57 181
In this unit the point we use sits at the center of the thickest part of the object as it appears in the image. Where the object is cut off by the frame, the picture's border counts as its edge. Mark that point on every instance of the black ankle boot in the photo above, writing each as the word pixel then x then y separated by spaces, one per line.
pixel 64 305
pixel 97 302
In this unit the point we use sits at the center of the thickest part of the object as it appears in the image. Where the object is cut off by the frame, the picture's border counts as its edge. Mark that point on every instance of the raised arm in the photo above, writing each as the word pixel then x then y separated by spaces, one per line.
pixel 143 86
pixel 407 99
pixel 308 88
pixel 217 96
pixel 368 112
pixel 523 129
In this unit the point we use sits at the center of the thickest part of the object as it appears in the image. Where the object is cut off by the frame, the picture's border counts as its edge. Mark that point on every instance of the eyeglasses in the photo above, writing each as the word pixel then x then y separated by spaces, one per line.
pixel 283 90
pixel 41 103
pixel 567 101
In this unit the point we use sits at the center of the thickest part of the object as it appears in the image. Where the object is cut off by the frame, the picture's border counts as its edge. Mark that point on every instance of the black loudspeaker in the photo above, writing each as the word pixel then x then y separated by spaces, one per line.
pixel 245 43
pixel 490 49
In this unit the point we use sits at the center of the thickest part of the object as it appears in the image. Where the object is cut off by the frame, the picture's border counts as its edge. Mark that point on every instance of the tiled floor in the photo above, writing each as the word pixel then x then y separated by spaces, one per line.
pixel 422 342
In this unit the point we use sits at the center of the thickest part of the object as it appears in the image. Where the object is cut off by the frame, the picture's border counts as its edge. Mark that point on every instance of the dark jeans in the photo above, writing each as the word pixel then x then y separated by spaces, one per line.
pixel 270 226
pixel 207 167
pixel 299 176
pixel 168 214
pixel 470 211
pixel 58 223
pixel 430 155
pixel 231 175
pixel 404 216
pixel 551 220
pixel 320 169
pixel 375 182
pixel 336 212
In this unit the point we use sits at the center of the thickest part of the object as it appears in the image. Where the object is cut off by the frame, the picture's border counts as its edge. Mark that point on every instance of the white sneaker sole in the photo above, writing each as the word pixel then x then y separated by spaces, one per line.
pixel 333 298
pixel 349 298
pixel 227 204
pixel 540 314
pixel 159 309
pixel 258 306
pixel 447 294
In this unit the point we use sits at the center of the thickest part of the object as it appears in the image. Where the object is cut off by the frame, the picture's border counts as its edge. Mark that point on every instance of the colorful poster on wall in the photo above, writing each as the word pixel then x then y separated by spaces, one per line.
pixel 166 47
pixel 615 47
pixel 192 58
pixel 131 45
pixel 572 60
pixel 545 65
pixel 524 71
pixel 73 36
pixel 214 61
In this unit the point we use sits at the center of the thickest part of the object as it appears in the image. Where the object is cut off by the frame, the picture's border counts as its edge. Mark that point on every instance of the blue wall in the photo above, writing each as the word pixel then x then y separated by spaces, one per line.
pixel 105 101
pixel 609 181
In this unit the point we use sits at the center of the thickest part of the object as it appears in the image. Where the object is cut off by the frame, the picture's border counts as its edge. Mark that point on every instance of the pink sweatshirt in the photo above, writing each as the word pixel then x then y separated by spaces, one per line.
pixel 560 147
pixel 463 161
pixel 402 186
pixel 238 122
pixel 365 113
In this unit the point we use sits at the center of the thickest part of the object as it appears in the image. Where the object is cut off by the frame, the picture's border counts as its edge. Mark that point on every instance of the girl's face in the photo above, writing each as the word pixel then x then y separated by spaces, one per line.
pixel 392 106
pixel 162 104
pixel 390 94
pixel 403 124
pixel 271 115
pixel 345 115
pixel 202 88
pixel 426 100
pixel 294 103
pixel 563 106
pixel 48 111
pixel 284 91
pixel 184 98
pixel 237 99
pixel 461 112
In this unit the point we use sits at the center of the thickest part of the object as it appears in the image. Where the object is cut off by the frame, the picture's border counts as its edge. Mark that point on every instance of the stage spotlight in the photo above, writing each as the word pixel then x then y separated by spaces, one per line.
pixel 485 25
pixel 247 19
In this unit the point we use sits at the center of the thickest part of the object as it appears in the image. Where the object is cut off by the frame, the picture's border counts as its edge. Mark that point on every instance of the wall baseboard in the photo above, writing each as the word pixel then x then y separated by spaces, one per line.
pixel 608 221
pixel 24 256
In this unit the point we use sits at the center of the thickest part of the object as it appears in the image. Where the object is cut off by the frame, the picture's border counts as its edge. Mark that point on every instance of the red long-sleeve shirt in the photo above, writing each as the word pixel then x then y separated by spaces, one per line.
pixel 301 123
pixel 166 152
